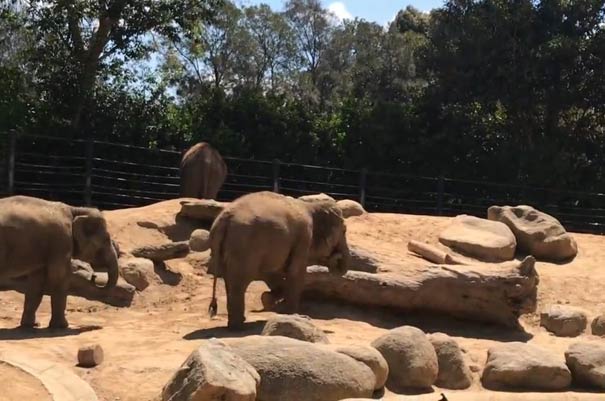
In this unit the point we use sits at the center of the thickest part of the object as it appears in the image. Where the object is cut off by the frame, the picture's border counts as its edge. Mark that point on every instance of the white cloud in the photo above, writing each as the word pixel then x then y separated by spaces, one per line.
pixel 339 9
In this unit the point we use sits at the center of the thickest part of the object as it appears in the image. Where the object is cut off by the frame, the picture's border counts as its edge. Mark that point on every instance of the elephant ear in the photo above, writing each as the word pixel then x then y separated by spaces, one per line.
pixel 327 219
pixel 87 235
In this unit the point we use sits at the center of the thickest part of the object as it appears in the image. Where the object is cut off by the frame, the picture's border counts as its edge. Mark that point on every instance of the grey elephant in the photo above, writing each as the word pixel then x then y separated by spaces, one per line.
pixel 202 172
pixel 271 237
pixel 39 238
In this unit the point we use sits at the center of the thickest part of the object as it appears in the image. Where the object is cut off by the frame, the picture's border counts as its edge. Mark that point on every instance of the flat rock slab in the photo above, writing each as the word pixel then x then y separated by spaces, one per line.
pixel 587 364
pixel 486 240
pixel 60 383
pixel 564 320
pixel 203 209
pixel 160 253
pixel 520 366
pixel 537 233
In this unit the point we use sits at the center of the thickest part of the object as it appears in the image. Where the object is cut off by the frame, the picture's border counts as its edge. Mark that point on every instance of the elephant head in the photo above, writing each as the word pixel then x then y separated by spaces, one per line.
pixel 93 244
pixel 329 247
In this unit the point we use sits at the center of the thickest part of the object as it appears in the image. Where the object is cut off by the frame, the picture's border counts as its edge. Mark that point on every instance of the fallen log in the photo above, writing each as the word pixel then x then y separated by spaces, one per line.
pixel 431 253
pixel 496 293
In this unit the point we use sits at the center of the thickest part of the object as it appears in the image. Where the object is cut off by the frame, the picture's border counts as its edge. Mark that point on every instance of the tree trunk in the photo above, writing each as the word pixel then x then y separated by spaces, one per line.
pixel 496 293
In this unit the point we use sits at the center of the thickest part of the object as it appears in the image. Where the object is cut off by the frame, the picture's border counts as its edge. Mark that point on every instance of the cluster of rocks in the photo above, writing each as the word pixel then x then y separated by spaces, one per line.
pixel 570 321
pixel 509 230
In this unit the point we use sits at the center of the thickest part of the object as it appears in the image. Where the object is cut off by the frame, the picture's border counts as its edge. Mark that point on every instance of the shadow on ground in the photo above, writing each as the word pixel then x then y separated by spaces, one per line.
pixel 19 333
pixel 250 329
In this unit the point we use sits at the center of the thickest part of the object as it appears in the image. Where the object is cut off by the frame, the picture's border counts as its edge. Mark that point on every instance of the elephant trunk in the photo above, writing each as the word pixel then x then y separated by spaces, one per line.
pixel 340 260
pixel 110 261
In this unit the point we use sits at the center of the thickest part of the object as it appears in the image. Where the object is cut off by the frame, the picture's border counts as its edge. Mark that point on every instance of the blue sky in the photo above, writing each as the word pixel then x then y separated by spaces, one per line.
pixel 381 11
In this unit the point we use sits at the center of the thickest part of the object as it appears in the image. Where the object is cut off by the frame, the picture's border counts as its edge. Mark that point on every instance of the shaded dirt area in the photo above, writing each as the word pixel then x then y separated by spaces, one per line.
pixel 145 343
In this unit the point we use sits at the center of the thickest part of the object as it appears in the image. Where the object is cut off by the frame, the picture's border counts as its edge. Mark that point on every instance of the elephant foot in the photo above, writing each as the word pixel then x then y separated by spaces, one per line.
pixel 235 325
pixel 58 323
pixel 269 300
pixel 29 325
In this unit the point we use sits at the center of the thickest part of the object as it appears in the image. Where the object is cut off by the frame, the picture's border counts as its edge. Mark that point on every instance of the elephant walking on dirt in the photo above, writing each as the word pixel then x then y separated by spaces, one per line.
pixel 39 238
pixel 203 172
pixel 271 237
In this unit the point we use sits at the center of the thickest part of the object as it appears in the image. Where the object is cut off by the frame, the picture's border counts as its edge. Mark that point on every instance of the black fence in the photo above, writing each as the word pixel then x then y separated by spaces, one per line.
pixel 110 176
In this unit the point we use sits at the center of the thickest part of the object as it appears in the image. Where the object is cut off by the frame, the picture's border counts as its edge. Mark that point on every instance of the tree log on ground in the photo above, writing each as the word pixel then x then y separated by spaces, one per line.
pixel 494 293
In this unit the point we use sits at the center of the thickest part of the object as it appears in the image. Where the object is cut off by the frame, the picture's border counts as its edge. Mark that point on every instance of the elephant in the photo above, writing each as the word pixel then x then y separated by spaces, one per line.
pixel 271 237
pixel 39 238
pixel 202 171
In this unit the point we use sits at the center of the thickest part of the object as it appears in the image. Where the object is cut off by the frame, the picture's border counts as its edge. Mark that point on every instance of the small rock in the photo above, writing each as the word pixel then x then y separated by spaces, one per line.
pixel 137 271
pixel 203 209
pixel 350 208
pixel 316 198
pixel 411 358
pixel 160 253
pixel 537 233
pixel 369 356
pixel 213 373
pixel 199 240
pixel 598 326
pixel 453 371
pixel 520 366
pixel 563 320
pixel 295 326
pixel 587 364
pixel 90 356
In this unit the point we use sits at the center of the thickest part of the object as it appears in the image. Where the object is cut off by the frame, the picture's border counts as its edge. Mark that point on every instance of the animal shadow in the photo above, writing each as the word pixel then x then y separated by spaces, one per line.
pixel 18 333
pixel 250 329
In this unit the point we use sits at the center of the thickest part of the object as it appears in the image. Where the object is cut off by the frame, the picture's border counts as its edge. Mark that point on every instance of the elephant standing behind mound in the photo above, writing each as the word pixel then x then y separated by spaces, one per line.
pixel 203 172
pixel 38 239
pixel 271 237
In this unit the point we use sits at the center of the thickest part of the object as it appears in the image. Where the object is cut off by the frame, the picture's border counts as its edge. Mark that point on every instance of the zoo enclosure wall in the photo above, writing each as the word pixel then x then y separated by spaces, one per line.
pixel 110 176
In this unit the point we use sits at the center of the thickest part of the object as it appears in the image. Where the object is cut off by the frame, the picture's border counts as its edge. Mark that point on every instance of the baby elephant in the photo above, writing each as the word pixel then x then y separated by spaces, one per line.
pixel 271 237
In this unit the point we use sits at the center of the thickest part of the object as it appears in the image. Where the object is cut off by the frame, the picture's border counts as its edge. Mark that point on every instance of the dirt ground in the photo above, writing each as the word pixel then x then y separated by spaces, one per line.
pixel 145 343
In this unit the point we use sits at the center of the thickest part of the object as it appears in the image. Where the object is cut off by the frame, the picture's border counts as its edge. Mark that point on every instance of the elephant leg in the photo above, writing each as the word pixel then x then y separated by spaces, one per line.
pixel 58 284
pixel 236 304
pixel 295 276
pixel 276 283
pixel 33 298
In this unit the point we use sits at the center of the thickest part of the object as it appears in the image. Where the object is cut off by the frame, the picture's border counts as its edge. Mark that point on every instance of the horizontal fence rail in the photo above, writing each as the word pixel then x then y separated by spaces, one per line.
pixel 111 176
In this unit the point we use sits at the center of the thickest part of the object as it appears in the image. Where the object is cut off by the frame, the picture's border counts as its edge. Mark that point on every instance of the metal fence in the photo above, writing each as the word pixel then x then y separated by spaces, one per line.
pixel 110 176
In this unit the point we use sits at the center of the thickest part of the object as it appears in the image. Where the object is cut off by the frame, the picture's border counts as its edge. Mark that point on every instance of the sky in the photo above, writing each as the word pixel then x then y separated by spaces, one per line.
pixel 380 11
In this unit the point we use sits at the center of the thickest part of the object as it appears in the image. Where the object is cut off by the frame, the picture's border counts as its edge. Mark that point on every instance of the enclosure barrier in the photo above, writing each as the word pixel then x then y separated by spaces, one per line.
pixel 110 175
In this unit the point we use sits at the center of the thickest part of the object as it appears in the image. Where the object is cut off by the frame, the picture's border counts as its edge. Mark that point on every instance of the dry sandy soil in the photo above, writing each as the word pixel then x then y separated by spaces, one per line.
pixel 145 343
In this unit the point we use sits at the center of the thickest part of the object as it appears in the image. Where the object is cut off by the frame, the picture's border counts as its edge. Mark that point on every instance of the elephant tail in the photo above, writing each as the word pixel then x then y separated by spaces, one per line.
pixel 217 237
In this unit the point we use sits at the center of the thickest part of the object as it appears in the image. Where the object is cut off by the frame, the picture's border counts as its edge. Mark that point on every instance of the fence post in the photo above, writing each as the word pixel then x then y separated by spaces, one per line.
pixel 88 177
pixel 363 178
pixel 12 152
pixel 440 190
pixel 276 164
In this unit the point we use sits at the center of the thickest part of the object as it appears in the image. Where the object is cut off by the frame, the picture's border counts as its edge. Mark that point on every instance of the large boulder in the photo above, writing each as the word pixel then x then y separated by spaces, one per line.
pixel 201 209
pixel 369 356
pixel 294 326
pixel 564 320
pixel 213 373
pixel 598 326
pixel 160 253
pixel 316 197
pixel 137 271
pixel 350 208
pixel 411 358
pixel 537 233
pixel 485 240
pixel 199 240
pixel 587 364
pixel 454 373
pixel 297 370
pixel 520 366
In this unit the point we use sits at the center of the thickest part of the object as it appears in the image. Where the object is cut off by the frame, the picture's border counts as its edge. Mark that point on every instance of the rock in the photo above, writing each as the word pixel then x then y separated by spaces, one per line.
pixel 520 366
pixel 160 253
pixel 80 284
pixel 137 271
pixel 213 373
pixel 411 358
pixel 199 241
pixel 563 320
pixel 316 197
pixel 297 370
pixel 202 209
pixel 90 356
pixel 362 260
pixel 490 241
pixel 587 364
pixel 350 208
pixel 369 356
pixel 453 371
pixel 537 233
pixel 598 326
pixel 295 326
